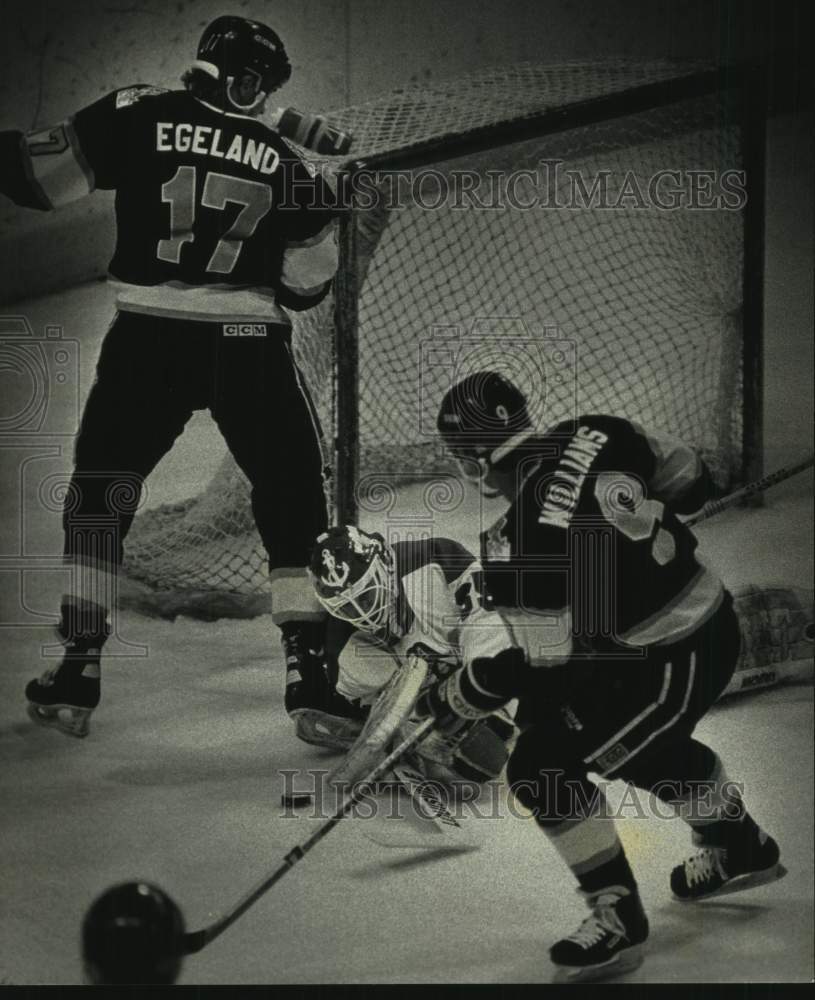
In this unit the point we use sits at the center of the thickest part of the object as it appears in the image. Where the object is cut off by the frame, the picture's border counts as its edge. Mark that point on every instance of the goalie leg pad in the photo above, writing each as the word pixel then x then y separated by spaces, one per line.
pixel 776 624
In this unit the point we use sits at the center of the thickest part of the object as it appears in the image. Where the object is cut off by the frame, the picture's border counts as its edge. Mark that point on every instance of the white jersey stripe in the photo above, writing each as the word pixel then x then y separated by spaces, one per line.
pixel 58 166
pixel 318 429
pixel 209 303
pixel 698 601
pixel 671 722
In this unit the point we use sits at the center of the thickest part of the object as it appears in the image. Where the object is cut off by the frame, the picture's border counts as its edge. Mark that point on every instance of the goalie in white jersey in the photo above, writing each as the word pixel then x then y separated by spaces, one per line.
pixel 424 597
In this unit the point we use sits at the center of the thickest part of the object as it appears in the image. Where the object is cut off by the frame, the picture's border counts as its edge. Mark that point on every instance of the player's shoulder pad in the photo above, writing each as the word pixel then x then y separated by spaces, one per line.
pixel 626 445
pixel 451 550
pixel 127 96
pixel 604 420
pixel 450 556
pixel 613 427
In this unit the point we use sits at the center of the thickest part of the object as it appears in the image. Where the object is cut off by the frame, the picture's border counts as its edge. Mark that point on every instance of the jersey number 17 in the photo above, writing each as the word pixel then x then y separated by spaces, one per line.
pixel 219 189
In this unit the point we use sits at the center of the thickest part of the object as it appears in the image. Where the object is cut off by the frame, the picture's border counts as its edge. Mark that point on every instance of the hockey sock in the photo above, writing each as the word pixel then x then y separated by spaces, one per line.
pixel 308 634
pixel 84 629
pixel 615 871
pixel 589 845
pixel 713 808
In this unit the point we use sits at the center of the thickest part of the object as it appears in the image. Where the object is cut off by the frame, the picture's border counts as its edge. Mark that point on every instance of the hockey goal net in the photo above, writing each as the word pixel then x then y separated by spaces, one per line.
pixel 581 227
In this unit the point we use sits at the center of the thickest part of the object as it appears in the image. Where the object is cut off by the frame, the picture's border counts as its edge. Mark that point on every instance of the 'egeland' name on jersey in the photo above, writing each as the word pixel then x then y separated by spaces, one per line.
pixel 203 140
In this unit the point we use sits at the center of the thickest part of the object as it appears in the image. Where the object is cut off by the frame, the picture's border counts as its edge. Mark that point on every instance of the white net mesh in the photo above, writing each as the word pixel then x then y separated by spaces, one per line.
pixel 625 308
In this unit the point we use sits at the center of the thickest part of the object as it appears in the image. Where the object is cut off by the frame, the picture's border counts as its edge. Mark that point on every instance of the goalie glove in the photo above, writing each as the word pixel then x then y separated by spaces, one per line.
pixel 474 691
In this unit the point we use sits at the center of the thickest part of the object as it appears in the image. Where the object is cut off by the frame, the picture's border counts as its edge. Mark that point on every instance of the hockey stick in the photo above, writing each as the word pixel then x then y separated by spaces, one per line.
pixel 716 506
pixel 428 817
pixel 194 941
pixel 388 713
pixel 432 825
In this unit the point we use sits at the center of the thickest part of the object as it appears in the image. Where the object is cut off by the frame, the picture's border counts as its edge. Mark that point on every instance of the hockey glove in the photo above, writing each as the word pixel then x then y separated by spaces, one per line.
pixel 457 701
pixel 434 701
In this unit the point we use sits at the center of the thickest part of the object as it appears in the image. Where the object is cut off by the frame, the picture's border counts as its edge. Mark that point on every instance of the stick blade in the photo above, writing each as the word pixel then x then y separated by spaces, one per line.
pixel 194 941
pixel 424 819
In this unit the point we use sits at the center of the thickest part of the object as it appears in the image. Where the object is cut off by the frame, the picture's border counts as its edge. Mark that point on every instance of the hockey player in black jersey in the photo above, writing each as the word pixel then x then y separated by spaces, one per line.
pixel 629 641
pixel 220 228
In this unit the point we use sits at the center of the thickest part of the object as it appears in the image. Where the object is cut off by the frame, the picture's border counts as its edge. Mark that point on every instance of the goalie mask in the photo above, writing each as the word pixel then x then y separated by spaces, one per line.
pixel 354 577
pixel 482 420
pixel 246 57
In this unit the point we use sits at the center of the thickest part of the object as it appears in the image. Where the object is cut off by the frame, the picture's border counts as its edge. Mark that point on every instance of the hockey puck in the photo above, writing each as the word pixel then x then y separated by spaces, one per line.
pixel 297 801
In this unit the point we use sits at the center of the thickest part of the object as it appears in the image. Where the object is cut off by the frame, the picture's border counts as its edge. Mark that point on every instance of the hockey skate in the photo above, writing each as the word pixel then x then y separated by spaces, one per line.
pixel 64 697
pixel 321 716
pixel 608 943
pixel 714 871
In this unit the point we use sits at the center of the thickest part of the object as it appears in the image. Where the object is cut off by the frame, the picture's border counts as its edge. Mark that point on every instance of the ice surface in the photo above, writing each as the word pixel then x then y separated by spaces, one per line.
pixel 178 783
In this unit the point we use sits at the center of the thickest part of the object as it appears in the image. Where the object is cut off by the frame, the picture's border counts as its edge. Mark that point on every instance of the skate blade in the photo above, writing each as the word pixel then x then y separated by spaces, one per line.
pixel 740 882
pixel 625 961
pixel 322 730
pixel 67 719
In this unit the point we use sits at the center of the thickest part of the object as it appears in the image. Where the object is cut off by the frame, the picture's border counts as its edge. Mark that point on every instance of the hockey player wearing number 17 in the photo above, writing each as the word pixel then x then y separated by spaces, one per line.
pixel 221 227
pixel 645 640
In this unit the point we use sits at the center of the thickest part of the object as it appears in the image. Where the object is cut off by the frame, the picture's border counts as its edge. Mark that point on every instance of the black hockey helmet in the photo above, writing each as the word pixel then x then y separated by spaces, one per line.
pixel 243 55
pixel 482 420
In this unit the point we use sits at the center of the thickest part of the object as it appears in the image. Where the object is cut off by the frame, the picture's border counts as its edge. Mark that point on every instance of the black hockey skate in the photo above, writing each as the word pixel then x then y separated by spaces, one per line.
pixel 322 717
pixel 65 696
pixel 608 943
pixel 714 870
